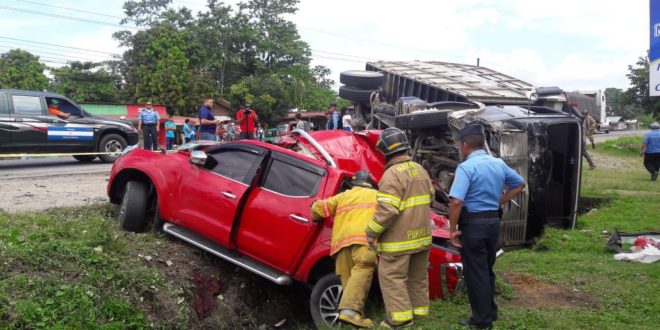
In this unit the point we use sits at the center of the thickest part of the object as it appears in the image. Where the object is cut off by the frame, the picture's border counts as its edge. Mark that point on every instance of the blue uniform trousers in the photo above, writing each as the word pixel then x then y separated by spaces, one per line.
pixel 479 240
pixel 150 136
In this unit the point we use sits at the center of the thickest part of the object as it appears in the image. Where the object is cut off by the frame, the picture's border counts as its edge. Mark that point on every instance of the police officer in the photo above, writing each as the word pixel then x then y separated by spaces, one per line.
pixel 402 229
pixel 150 120
pixel 651 150
pixel 355 262
pixel 476 195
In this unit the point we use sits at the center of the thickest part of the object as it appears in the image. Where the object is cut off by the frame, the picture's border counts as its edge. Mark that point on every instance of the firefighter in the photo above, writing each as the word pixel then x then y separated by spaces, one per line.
pixel 355 261
pixel 401 232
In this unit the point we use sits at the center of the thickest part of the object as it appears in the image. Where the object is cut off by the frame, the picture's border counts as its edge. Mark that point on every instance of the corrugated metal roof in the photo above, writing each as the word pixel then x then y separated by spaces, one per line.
pixel 475 83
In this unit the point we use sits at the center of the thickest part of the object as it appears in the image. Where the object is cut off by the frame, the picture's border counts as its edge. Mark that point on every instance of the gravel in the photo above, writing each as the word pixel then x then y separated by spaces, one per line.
pixel 39 193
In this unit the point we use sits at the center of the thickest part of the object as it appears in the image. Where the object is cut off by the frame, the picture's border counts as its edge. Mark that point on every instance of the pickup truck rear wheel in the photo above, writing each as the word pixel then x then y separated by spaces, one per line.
pixel 112 143
pixel 133 207
pixel 324 301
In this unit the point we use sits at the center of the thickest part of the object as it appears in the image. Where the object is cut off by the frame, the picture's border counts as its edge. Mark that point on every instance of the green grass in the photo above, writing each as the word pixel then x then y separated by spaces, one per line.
pixel 623 146
pixel 74 268
pixel 626 294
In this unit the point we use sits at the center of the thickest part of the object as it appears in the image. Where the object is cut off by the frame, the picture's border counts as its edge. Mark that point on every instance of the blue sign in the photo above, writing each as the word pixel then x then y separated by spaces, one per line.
pixel 654 50
pixel 58 133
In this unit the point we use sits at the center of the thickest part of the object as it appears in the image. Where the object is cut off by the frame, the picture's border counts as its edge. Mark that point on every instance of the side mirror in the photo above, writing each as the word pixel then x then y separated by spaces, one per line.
pixel 198 157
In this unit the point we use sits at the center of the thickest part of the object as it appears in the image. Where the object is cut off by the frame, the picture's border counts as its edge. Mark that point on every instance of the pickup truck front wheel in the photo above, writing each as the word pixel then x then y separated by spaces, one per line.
pixel 133 208
pixel 113 145
pixel 324 301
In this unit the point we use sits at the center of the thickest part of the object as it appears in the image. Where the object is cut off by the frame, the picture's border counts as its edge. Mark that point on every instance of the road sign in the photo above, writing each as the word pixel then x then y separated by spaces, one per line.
pixel 654 52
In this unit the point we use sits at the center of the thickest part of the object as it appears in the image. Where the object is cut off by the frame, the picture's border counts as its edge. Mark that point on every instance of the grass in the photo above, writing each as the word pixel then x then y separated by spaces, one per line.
pixel 625 294
pixel 73 268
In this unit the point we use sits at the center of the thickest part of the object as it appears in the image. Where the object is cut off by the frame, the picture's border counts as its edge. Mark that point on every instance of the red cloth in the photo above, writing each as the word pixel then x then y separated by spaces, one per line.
pixel 249 121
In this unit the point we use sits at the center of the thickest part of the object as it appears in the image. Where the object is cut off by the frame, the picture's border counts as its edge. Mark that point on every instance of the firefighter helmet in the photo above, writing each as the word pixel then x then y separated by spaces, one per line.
pixel 392 140
pixel 361 178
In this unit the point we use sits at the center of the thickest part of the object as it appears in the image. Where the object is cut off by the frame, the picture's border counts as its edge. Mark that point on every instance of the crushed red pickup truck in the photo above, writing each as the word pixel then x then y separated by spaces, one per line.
pixel 248 202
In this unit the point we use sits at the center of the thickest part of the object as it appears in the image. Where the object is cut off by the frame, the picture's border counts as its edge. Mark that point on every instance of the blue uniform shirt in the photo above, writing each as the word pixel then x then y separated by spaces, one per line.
pixel 149 116
pixel 652 141
pixel 336 121
pixel 479 181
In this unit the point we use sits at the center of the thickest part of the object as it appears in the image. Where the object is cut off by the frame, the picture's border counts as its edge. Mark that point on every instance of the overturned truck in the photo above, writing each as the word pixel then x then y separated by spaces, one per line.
pixel 432 101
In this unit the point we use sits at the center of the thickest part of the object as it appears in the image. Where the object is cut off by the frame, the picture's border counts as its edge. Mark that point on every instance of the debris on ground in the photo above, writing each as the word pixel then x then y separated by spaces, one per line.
pixel 647 255
pixel 645 246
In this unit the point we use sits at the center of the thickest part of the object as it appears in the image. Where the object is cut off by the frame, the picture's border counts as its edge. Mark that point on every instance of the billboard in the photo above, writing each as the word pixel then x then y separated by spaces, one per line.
pixel 654 50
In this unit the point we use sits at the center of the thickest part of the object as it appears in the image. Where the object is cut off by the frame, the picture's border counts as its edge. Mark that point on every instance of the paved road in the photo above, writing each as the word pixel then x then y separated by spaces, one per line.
pixel 617 134
pixel 41 167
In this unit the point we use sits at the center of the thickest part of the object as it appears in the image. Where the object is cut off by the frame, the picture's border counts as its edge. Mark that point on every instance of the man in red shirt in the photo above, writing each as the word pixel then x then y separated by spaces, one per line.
pixel 247 121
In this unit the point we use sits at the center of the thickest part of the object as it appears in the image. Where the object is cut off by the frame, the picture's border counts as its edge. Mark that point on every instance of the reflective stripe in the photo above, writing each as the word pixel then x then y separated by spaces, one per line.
pixel 405 245
pixel 375 226
pixel 349 241
pixel 421 311
pixel 415 201
pixel 402 316
pixel 390 199
pixel 355 206
pixel 326 208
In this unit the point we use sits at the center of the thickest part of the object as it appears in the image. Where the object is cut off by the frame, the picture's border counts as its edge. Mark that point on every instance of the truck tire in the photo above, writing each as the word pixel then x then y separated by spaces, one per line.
pixel 85 158
pixel 422 119
pixel 357 95
pixel 114 143
pixel 361 79
pixel 324 301
pixel 133 207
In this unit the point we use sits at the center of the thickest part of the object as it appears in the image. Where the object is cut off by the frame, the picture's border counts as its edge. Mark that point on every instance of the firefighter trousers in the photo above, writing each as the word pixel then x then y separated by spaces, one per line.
pixel 355 266
pixel 404 281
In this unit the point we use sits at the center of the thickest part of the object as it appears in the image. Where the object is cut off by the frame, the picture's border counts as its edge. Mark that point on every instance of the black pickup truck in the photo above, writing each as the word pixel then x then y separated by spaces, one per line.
pixel 44 122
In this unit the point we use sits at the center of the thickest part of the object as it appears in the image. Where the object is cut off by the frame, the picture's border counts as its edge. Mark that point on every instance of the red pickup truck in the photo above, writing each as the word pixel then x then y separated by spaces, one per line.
pixel 248 202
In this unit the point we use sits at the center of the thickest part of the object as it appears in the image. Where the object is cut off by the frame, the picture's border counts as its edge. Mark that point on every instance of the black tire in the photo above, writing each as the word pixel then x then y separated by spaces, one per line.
pixel 356 94
pixel 362 79
pixel 85 158
pixel 158 221
pixel 114 143
pixel 133 207
pixel 422 119
pixel 324 301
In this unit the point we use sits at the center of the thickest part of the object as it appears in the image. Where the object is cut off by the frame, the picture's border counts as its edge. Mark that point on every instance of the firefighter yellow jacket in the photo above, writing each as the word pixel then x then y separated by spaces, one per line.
pixel 402 223
pixel 352 209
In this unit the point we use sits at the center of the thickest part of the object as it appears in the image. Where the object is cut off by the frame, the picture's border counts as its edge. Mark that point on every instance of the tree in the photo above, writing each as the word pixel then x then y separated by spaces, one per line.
pixel 613 99
pixel 638 93
pixel 87 82
pixel 21 70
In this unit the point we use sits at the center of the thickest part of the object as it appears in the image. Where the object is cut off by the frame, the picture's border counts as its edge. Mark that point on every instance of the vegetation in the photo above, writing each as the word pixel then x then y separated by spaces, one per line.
pixel 635 101
pixel 21 70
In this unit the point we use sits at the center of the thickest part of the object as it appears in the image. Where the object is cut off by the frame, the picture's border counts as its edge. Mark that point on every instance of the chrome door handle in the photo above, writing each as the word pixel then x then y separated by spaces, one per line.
pixel 298 218
pixel 229 195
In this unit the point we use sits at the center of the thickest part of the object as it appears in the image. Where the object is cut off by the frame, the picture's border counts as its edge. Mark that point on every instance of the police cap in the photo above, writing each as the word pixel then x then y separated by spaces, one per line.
pixel 476 129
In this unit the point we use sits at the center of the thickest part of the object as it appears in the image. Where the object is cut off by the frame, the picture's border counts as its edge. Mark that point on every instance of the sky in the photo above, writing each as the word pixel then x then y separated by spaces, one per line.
pixel 577 44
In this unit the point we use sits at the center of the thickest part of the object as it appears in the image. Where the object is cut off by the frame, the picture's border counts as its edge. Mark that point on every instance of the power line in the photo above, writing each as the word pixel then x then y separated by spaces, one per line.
pixel 49 53
pixel 84 20
pixel 67 8
pixel 39 48
pixel 56 45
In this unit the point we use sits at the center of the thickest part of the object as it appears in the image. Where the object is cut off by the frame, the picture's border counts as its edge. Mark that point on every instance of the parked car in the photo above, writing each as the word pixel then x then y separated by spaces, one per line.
pixel 27 126
pixel 248 202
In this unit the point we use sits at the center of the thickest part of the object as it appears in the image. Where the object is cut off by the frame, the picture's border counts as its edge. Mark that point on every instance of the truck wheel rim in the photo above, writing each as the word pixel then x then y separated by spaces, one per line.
pixel 329 304
pixel 114 147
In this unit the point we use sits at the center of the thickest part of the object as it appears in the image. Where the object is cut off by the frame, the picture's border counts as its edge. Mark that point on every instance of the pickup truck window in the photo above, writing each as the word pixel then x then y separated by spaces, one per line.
pixel 27 105
pixel 291 180
pixel 232 164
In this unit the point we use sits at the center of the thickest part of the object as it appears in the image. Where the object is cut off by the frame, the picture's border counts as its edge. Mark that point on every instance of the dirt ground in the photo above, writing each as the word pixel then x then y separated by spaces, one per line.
pixel 222 296
pixel 40 193
pixel 532 294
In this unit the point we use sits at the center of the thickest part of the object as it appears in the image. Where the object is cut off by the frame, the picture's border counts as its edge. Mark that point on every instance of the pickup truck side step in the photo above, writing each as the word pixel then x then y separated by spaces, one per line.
pixel 233 257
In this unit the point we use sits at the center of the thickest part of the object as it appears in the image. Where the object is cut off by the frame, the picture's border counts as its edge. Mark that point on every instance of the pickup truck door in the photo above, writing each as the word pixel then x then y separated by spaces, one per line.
pixel 66 134
pixel 209 197
pixel 276 224
pixel 29 121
